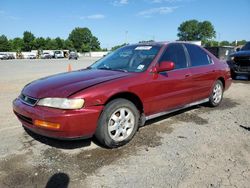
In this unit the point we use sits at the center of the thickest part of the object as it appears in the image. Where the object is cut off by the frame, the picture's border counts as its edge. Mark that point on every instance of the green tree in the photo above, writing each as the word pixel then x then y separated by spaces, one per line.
pixel 39 43
pixel 239 43
pixel 211 43
pixel 59 43
pixel 192 30
pixel 17 44
pixel 68 44
pixel 83 39
pixel 28 39
pixel 225 43
pixel 95 44
pixel 4 44
pixel 51 44
pixel 86 47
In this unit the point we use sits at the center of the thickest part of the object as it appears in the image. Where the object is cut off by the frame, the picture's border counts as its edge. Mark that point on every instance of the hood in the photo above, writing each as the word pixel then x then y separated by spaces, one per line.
pixel 241 53
pixel 65 84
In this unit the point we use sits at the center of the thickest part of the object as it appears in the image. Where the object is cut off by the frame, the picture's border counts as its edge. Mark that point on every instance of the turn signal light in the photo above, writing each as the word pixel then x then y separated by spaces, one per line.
pixel 46 124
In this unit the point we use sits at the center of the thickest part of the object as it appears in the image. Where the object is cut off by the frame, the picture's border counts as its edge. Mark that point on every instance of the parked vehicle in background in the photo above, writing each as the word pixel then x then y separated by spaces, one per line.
pixel 3 56
pixel 58 54
pixel 117 94
pixel 221 52
pixel 10 56
pixel 46 56
pixel 73 55
pixel 31 56
pixel 239 62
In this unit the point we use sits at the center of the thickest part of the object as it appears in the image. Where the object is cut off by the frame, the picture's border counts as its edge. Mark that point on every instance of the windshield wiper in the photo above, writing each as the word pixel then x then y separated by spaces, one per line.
pixel 108 68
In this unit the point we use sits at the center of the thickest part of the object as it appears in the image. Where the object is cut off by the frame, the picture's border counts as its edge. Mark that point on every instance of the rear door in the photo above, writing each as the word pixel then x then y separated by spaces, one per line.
pixel 203 71
pixel 172 89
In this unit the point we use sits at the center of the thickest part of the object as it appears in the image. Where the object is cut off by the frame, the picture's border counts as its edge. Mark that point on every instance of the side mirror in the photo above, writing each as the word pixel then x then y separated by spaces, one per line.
pixel 165 66
pixel 237 49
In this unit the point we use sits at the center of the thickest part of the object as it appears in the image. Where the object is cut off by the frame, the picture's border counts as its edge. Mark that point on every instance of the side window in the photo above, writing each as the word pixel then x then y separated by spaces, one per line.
pixel 198 56
pixel 176 54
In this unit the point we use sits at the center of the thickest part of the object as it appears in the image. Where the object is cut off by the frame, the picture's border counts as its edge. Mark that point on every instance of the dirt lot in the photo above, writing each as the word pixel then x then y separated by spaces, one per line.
pixel 197 147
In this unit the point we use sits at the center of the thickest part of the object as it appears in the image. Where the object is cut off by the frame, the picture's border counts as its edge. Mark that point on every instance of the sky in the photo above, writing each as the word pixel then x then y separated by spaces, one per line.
pixel 118 21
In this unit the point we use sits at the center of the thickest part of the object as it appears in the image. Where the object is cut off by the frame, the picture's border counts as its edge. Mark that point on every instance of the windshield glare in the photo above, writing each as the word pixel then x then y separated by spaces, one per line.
pixel 134 58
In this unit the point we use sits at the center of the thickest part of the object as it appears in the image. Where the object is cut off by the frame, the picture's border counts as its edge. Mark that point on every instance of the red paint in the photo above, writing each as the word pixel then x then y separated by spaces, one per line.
pixel 158 91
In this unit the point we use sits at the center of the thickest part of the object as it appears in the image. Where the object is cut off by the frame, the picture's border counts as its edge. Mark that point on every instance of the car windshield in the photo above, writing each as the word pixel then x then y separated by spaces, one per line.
pixel 246 46
pixel 134 58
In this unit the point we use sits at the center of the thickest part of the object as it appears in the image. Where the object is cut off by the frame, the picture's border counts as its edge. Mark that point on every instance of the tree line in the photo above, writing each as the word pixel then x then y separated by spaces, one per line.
pixel 80 39
pixel 193 30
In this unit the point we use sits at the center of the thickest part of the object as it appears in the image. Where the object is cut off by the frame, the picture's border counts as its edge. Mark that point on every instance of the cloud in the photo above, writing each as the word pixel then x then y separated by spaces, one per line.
pixel 120 2
pixel 5 15
pixel 93 17
pixel 160 10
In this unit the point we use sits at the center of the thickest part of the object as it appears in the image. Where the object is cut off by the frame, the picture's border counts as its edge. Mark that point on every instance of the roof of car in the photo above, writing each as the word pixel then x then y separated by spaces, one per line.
pixel 163 43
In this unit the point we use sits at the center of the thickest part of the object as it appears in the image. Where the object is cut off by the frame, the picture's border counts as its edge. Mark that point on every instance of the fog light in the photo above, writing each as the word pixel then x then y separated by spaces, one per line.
pixel 46 124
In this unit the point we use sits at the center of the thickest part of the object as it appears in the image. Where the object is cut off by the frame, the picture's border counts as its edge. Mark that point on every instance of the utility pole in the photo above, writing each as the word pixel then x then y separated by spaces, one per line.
pixel 219 39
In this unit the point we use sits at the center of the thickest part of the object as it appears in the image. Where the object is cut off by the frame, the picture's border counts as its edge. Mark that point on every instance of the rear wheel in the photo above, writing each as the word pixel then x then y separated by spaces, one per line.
pixel 216 94
pixel 118 123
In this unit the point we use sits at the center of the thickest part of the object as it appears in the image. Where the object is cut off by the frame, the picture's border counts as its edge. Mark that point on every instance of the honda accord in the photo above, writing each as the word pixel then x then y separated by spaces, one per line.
pixel 113 97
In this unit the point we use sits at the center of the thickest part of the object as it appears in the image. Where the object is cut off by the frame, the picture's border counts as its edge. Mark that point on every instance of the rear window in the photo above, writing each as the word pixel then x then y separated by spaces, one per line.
pixel 198 57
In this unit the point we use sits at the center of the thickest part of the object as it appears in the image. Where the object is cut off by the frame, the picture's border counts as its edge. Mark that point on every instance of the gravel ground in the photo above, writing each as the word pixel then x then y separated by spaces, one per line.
pixel 196 147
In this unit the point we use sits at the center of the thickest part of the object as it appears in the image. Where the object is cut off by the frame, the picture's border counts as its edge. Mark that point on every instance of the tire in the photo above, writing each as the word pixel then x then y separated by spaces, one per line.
pixel 118 123
pixel 216 94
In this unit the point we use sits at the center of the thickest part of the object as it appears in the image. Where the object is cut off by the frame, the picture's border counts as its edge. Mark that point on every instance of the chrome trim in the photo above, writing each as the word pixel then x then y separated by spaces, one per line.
pixel 177 109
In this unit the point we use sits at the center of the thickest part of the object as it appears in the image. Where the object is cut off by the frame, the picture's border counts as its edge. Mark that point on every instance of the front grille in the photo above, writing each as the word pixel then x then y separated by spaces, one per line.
pixel 243 59
pixel 23 118
pixel 28 100
pixel 244 68
pixel 242 64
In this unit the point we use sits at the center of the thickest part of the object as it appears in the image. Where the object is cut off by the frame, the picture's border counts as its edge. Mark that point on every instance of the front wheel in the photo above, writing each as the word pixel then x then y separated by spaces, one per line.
pixel 216 94
pixel 118 123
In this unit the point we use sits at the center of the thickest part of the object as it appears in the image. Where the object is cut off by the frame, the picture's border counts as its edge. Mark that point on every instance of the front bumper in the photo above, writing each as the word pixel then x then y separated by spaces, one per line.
pixel 237 69
pixel 73 123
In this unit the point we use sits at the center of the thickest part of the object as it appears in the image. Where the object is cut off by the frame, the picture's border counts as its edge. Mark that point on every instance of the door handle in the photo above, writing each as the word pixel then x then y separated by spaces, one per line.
pixel 187 75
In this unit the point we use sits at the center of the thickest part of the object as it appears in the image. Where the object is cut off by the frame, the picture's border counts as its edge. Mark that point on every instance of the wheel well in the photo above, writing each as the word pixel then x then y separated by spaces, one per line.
pixel 223 81
pixel 129 96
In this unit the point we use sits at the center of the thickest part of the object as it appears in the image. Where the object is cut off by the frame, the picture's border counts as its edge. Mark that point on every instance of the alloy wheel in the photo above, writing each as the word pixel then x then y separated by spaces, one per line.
pixel 121 124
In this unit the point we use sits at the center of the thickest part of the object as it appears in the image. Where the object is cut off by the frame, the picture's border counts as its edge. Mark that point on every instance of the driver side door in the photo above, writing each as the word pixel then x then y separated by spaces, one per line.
pixel 172 89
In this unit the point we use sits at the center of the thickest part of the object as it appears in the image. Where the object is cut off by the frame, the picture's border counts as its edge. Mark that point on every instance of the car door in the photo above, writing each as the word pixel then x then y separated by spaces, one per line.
pixel 172 89
pixel 202 70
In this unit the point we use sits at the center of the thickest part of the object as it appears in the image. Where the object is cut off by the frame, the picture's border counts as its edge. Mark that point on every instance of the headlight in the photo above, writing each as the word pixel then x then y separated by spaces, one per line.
pixel 62 103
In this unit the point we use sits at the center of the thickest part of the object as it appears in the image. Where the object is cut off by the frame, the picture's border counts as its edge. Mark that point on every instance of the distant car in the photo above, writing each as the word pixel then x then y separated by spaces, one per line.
pixel 58 54
pixel 221 52
pixel 10 56
pixel 113 97
pixel 31 56
pixel 73 55
pixel 46 56
pixel 239 62
pixel 3 56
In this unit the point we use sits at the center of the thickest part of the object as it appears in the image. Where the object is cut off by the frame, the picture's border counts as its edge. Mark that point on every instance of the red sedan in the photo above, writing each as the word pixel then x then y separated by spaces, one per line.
pixel 117 94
